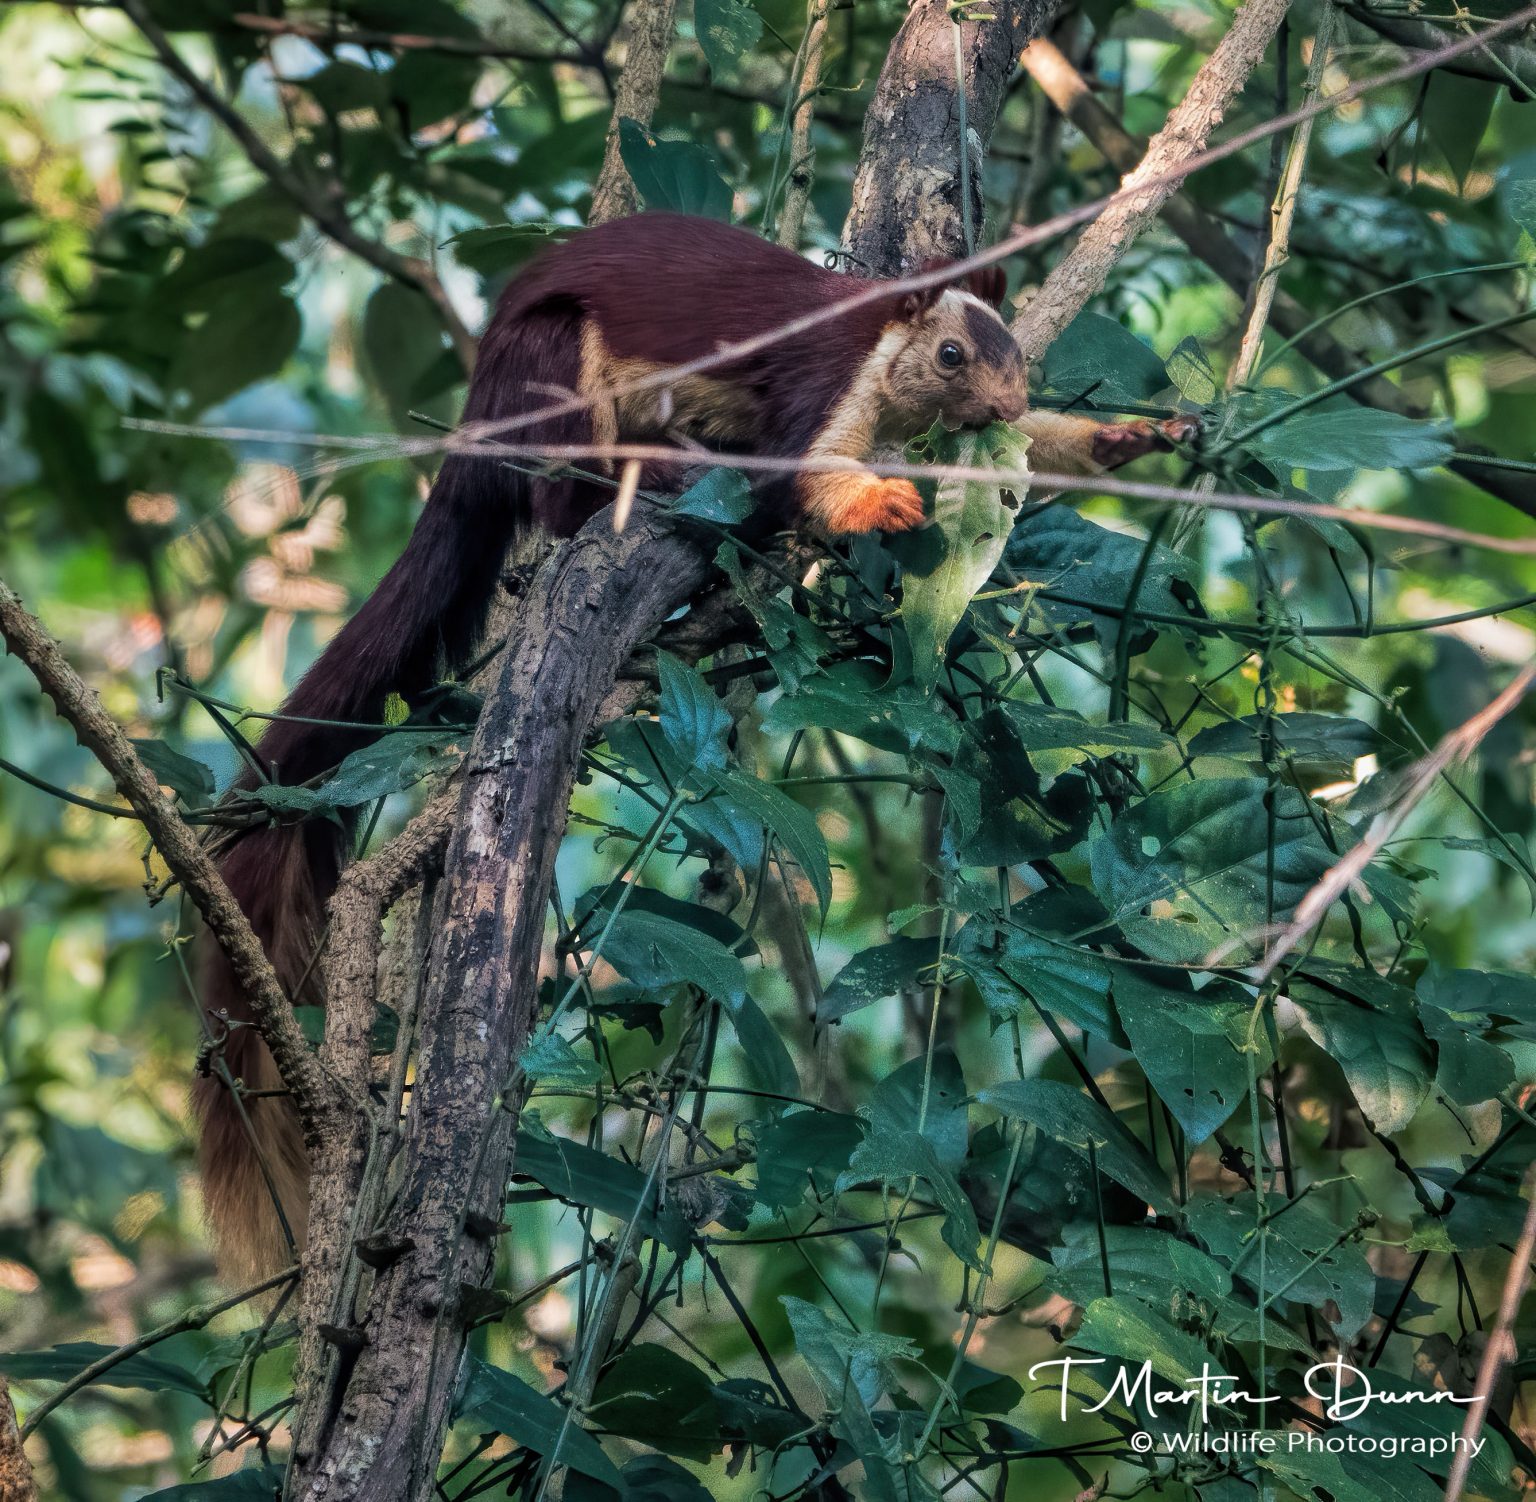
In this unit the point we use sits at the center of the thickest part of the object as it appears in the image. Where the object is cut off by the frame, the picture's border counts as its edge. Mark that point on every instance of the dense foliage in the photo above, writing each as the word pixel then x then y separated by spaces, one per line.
pixel 907 1016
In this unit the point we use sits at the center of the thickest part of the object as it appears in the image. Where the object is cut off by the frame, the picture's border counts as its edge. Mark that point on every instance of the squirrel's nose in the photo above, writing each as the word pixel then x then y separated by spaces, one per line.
pixel 1009 408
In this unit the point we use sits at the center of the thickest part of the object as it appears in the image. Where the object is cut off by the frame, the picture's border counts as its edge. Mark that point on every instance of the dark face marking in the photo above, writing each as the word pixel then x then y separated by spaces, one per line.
pixel 990 338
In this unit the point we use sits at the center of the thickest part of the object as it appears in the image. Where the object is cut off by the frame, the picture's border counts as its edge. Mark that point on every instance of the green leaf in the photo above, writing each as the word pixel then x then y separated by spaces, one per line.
pixel 1302 1255
pixel 971 526
pixel 802 1150
pixel 1076 1120
pixel 581 1175
pixel 893 1158
pixel 1080 559
pixel 675 175
pixel 403 339
pixel 391 764
pixel 259 1483
pixel 873 974
pixel 1011 965
pixel 1132 1333
pixel 1374 1035
pixel 210 273
pixel 652 1394
pixel 1043 727
pixel 693 720
pixel 897 1104
pixel 499 248
pixel 549 1057
pixel 1100 358
pixel 1190 370
pixel 1352 437
pixel 1309 737
pixel 850 699
pixel 653 950
pixel 791 823
pixel 63 1363
pixel 1455 115
pixel 768 1059
pixel 1186 871
pixel 722 495
pixel 185 777
pixel 843 1360
pixel 1191 1047
pixel 726 29
pixel 1152 1266
pixel 494 1399
pixel 241 341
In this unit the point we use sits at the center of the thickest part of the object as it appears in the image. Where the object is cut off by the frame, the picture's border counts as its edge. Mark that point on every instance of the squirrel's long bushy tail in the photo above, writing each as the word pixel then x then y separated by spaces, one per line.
pixel 428 610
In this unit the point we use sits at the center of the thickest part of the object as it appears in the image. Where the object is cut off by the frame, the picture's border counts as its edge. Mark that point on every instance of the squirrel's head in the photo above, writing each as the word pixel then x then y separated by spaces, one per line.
pixel 953 356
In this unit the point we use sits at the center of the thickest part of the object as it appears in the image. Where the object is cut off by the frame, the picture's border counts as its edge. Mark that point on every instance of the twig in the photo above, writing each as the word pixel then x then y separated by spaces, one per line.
pixel 1500 1348
pixel 326 214
pixel 1174 151
pixel 1455 747
pixel 193 1319
pixel 1283 210
pixel 651 24
pixel 189 862
pixel 804 84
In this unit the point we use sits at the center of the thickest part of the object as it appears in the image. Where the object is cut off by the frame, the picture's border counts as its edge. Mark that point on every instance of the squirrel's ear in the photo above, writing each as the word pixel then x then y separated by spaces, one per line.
pixel 990 284
pixel 915 304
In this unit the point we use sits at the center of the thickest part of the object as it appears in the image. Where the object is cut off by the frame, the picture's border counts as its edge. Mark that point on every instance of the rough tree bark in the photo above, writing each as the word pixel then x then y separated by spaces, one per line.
pixel 588 607
pixel 645 61
pixel 907 200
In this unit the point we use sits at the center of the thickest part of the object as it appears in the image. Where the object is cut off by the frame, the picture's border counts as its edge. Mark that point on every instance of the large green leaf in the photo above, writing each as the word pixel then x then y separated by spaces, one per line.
pixel 1100 359
pixel 261 1483
pixel 62 1363
pixel 677 175
pixel 1078 1121
pixel 873 974
pixel 581 1175
pixel 240 341
pixel 1187 871
pixel 1305 1253
pixel 1131 1333
pixel 1192 1047
pixel 726 29
pixel 494 1399
pixel 653 1394
pixel 792 823
pixel 1370 1028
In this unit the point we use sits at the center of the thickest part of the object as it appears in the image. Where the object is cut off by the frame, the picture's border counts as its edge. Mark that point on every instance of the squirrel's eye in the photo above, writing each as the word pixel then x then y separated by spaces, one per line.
pixel 951 354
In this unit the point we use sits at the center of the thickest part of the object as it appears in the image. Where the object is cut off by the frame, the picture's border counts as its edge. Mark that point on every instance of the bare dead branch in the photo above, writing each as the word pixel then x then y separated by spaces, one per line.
pixel 1454 748
pixel 651 23
pixel 1173 153
pixel 178 845
pixel 1500 1350
pixel 327 215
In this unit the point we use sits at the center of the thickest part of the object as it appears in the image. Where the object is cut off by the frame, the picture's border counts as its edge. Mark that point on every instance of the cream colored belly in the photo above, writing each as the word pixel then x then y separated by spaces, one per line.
pixel 697 407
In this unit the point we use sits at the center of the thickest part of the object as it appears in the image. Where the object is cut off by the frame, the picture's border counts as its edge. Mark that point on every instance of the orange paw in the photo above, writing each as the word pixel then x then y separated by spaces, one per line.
pixel 879 506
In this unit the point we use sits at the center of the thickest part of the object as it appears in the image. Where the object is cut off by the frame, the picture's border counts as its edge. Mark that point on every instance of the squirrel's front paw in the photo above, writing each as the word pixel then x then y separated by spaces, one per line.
pixel 882 506
pixel 1118 443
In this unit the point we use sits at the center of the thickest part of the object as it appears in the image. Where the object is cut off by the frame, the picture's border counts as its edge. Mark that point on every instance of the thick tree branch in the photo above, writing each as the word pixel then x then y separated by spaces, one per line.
pixel 1084 269
pixel 907 204
pixel 16 1483
pixel 178 845
pixel 328 215
pixel 1501 61
pixel 651 24
pixel 588 607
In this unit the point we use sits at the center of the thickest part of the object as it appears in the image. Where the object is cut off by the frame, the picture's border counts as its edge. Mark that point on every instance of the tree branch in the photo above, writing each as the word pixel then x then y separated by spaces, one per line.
pixel 327 215
pixel 1084 269
pixel 16 1482
pixel 177 844
pixel 651 24
pixel 907 191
